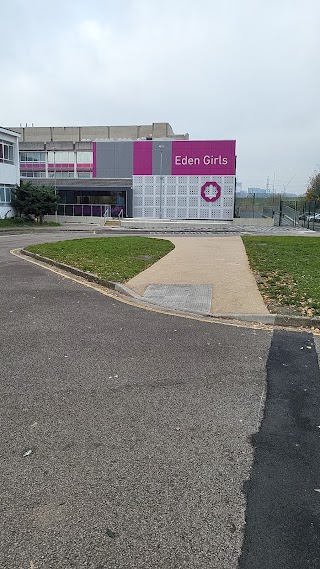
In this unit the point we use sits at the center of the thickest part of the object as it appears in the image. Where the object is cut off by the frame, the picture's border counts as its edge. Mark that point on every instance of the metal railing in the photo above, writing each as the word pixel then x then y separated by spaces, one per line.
pixel 283 213
pixel 90 210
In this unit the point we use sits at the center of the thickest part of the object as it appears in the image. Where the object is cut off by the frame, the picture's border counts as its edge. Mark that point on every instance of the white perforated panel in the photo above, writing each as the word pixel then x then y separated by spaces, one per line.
pixel 194 201
pixel 149 212
pixel 181 197
pixel 149 201
pixel 216 213
pixel 171 201
pixel 182 202
pixel 227 201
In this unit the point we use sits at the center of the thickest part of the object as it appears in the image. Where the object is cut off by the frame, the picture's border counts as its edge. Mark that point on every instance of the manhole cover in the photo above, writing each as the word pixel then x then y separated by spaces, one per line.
pixel 192 297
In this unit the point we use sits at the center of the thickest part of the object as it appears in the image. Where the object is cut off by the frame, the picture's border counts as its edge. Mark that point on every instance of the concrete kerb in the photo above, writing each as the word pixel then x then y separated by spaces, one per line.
pixel 68 268
pixel 268 319
pixel 78 272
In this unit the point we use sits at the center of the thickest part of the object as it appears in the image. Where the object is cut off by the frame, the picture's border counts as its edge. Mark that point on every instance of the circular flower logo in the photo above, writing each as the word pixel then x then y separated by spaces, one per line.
pixel 210 191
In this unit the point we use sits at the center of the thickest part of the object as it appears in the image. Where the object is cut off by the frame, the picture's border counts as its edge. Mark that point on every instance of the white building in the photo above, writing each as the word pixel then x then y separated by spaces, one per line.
pixel 9 170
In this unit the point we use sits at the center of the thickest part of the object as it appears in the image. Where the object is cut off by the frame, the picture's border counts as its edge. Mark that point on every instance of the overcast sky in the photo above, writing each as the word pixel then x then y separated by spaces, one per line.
pixel 217 69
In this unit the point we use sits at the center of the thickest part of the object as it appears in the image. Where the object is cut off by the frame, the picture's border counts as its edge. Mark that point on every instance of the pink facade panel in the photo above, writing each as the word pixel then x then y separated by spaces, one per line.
pixel 203 157
pixel 142 158
pixel 32 165
pixel 94 157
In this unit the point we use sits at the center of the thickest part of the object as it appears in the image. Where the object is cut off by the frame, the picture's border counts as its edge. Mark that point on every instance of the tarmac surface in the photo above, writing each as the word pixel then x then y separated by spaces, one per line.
pixel 128 436
pixel 124 433
pixel 283 508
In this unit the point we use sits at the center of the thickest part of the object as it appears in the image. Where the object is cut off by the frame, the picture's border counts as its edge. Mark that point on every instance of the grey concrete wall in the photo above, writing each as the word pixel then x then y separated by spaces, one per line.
pixel 75 219
pixel 160 130
pixel 257 221
pixel 114 160
pixel 166 157
pixel 94 132
pixel 65 133
pixel 124 132
pixel 105 152
pixel 83 133
pixel 123 160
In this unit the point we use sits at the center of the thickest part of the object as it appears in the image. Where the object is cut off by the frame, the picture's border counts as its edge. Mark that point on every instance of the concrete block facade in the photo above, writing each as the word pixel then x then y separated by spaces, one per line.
pixel 84 133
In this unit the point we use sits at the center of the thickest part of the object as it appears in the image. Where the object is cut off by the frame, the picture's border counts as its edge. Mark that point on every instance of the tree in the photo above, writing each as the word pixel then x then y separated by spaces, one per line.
pixel 34 201
pixel 313 189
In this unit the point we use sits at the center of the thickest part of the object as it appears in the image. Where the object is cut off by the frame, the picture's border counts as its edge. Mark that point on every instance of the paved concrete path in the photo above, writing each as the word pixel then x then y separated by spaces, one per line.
pixel 217 261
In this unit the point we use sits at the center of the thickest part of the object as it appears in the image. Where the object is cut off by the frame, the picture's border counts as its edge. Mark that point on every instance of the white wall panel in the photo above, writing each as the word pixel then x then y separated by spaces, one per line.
pixel 181 197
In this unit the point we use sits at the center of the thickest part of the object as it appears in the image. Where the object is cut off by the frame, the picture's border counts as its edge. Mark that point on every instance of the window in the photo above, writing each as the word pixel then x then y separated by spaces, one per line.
pixel 30 174
pixel 8 194
pixel 32 156
pixel 84 174
pixel 60 157
pixel 6 151
pixel 5 194
pixel 84 158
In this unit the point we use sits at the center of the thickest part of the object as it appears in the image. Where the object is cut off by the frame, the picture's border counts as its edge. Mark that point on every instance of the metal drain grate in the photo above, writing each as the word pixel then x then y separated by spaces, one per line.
pixel 192 297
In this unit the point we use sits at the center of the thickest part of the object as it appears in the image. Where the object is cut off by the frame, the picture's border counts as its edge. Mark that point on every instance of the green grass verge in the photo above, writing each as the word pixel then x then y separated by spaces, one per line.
pixel 113 258
pixel 18 222
pixel 287 270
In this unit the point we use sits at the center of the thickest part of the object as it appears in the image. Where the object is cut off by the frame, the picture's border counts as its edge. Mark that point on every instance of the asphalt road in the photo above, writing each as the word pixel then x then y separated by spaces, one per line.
pixel 126 435
pixel 283 512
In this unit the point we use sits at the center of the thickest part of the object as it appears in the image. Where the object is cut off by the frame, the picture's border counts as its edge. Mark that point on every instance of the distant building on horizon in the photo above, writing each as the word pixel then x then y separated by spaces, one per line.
pixel 259 192
pixel 240 192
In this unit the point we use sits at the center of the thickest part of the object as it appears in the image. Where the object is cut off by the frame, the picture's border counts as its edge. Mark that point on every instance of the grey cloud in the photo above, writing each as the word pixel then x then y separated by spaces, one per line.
pixel 217 69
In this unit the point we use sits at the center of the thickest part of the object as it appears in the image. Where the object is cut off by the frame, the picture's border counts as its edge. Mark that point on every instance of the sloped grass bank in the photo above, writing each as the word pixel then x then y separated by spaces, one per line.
pixel 18 222
pixel 287 270
pixel 112 258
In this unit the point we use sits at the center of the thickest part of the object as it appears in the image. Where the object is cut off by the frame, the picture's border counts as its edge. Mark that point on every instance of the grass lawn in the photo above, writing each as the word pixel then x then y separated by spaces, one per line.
pixel 18 222
pixel 287 270
pixel 113 258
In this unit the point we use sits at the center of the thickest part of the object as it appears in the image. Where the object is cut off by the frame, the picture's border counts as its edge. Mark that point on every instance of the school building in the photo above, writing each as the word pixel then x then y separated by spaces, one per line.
pixel 144 171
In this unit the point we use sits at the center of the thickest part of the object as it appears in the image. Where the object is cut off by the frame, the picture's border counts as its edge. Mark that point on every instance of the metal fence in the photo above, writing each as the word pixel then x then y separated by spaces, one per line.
pixel 310 216
pixel 284 211
pixel 294 213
